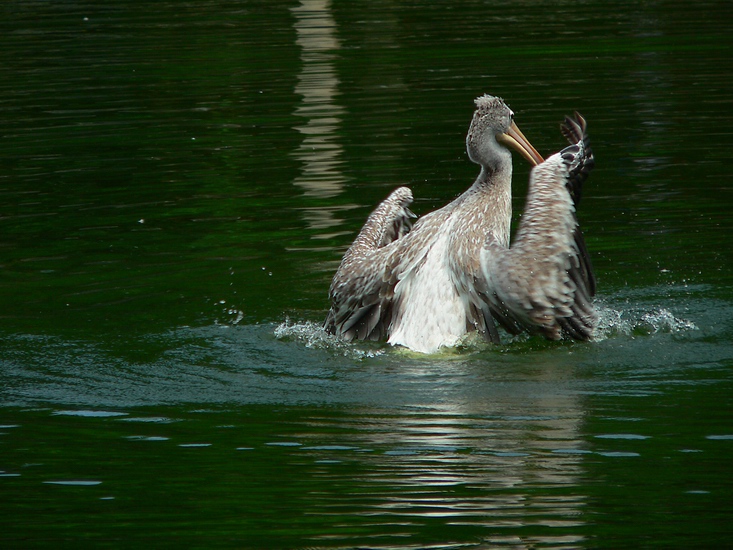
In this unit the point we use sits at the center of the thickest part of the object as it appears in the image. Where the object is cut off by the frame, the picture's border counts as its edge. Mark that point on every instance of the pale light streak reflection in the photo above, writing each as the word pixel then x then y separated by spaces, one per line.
pixel 320 151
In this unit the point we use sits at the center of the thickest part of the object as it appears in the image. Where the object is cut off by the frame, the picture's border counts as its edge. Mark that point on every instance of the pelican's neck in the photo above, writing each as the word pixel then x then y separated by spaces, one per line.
pixel 496 172
pixel 491 194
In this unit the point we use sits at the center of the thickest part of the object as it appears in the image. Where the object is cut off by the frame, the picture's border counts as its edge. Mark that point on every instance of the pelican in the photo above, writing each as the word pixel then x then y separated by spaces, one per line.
pixel 425 286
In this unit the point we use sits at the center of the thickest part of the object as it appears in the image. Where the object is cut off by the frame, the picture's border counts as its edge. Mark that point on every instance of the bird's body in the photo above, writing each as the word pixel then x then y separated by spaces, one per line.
pixel 454 271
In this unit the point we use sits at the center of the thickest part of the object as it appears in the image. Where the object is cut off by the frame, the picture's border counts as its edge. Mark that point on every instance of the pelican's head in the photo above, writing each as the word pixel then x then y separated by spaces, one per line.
pixel 493 124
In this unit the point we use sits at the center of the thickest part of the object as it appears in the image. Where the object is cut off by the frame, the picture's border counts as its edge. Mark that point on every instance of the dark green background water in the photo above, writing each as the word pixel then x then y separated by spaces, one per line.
pixel 179 181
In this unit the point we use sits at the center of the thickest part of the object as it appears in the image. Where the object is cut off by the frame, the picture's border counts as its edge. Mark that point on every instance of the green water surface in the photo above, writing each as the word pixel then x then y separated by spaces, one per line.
pixel 179 181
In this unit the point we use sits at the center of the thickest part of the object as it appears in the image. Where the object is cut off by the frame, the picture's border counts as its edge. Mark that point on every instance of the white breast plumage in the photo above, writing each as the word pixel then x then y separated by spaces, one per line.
pixel 430 312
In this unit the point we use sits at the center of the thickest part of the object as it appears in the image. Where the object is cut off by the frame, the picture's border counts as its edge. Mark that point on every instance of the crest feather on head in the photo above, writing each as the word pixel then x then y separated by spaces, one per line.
pixel 488 102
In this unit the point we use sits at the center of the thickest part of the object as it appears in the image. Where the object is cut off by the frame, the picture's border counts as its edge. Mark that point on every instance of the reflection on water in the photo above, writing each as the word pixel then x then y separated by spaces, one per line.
pixel 449 470
pixel 319 152
pixel 421 473
pixel 493 462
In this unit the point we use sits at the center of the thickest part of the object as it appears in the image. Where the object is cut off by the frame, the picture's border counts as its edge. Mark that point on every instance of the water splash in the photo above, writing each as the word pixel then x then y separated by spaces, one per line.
pixel 232 315
pixel 614 322
pixel 313 336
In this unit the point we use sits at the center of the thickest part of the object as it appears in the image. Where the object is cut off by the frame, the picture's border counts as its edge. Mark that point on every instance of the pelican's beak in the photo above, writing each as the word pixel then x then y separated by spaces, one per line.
pixel 515 139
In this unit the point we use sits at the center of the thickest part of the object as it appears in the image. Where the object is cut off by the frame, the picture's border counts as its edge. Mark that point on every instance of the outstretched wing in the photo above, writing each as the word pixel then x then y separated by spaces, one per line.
pixel 362 290
pixel 575 132
pixel 544 282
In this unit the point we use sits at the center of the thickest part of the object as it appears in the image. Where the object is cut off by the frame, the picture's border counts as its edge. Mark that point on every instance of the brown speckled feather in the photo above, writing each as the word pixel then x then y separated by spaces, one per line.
pixel 545 282
pixel 362 290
